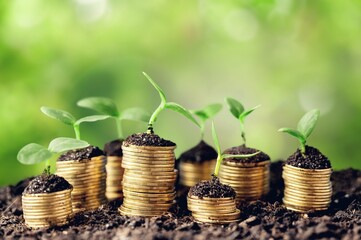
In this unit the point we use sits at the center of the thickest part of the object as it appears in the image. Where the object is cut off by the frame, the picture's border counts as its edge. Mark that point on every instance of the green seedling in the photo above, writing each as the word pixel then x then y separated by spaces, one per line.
pixel 205 114
pixel 166 105
pixel 34 153
pixel 238 111
pixel 221 156
pixel 108 107
pixel 69 119
pixel 304 128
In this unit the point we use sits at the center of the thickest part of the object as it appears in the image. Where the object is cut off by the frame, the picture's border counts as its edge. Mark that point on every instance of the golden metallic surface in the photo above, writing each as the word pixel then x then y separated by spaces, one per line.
pixel 192 173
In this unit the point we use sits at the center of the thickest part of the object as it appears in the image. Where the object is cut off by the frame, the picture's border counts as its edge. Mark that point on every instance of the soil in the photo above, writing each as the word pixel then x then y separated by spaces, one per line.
pixel 47 183
pixel 212 189
pixel 147 139
pixel 200 153
pixel 263 219
pixel 81 153
pixel 242 149
pixel 311 159
pixel 114 148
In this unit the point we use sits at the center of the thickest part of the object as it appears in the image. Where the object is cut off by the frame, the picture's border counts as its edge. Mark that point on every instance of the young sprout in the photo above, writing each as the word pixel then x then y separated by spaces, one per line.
pixel 207 113
pixel 221 156
pixel 34 153
pixel 108 107
pixel 240 113
pixel 69 119
pixel 166 105
pixel 304 128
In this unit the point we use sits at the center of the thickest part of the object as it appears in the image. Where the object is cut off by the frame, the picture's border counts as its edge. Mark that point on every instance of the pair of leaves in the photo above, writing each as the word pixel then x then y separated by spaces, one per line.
pixel 208 112
pixel 35 153
pixel 237 109
pixel 108 107
pixel 69 119
pixel 168 105
pixel 305 126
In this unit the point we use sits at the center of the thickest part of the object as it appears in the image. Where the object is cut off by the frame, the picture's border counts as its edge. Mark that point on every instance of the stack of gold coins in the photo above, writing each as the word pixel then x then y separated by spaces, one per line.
pixel 114 178
pixel 249 180
pixel 88 178
pixel 47 209
pixel 307 189
pixel 148 180
pixel 213 210
pixel 190 173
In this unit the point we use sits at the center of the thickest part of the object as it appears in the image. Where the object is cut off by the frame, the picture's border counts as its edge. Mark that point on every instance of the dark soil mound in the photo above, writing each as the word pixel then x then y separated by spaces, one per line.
pixel 114 148
pixel 147 139
pixel 198 154
pixel 81 153
pixel 213 189
pixel 263 219
pixel 312 159
pixel 260 157
pixel 47 183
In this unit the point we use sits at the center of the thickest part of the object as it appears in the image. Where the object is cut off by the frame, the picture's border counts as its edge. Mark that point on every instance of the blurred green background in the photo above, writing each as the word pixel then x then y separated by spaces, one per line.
pixel 289 56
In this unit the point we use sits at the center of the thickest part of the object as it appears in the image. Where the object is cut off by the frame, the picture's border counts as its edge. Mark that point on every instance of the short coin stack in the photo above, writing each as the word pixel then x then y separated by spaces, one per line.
pixel 213 210
pixel 306 189
pixel 47 209
pixel 88 179
pixel 191 173
pixel 249 180
pixel 148 180
pixel 114 178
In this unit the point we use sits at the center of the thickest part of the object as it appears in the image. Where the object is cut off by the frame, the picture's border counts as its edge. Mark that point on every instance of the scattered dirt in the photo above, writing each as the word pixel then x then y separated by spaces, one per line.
pixel 147 139
pixel 311 159
pixel 114 148
pixel 81 153
pixel 263 219
pixel 198 154
pixel 242 149
pixel 47 183
pixel 213 189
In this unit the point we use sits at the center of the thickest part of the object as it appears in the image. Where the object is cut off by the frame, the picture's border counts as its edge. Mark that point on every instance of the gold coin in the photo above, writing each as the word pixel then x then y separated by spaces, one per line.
pixel 206 220
pixel 127 212
pixel 309 194
pixel 126 164
pixel 136 186
pixel 304 204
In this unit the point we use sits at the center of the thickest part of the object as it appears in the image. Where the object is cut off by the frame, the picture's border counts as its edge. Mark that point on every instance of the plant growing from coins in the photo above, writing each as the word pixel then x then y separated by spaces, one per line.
pixel 34 153
pixel 205 114
pixel 164 104
pixel 69 119
pixel 108 107
pixel 221 156
pixel 304 128
pixel 238 111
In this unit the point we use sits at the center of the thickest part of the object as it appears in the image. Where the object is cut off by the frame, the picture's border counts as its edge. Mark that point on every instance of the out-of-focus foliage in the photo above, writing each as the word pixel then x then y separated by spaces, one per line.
pixel 289 56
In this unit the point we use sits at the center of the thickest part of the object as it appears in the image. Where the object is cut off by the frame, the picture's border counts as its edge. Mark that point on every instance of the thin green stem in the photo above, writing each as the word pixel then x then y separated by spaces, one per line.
pixel 218 166
pixel 303 147
pixel 154 116
pixel 77 131
pixel 47 166
pixel 202 130
pixel 243 134
pixel 119 128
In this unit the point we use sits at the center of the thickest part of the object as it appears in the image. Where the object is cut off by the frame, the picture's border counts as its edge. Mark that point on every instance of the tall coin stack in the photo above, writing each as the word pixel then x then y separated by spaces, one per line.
pixel 249 180
pixel 148 180
pixel 88 179
pixel 307 189
pixel 191 172
pixel 47 209
pixel 213 210
pixel 114 177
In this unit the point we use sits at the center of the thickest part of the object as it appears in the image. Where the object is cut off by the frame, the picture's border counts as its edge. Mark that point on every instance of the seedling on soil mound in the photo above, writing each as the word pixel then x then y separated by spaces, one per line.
pixel 304 128
pixel 108 107
pixel 69 119
pixel 166 105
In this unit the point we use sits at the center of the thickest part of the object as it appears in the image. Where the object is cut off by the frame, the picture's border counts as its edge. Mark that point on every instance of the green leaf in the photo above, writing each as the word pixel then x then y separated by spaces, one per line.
pixel 33 153
pixel 215 139
pixel 136 114
pixel 93 118
pixel 246 113
pixel 294 133
pixel 160 91
pixel 208 112
pixel 100 104
pixel 308 122
pixel 63 144
pixel 235 107
pixel 178 108
pixel 240 155
pixel 59 115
